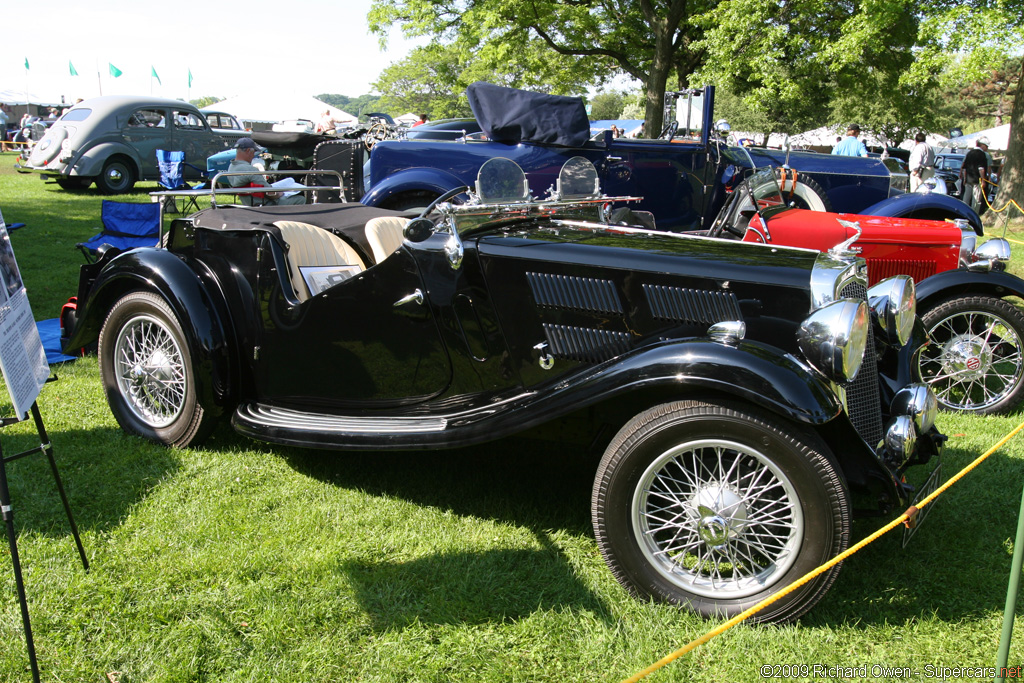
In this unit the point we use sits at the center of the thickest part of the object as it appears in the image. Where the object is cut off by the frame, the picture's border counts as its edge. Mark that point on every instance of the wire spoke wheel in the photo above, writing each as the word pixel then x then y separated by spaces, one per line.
pixel 718 519
pixel 150 371
pixel 715 506
pixel 146 368
pixel 975 360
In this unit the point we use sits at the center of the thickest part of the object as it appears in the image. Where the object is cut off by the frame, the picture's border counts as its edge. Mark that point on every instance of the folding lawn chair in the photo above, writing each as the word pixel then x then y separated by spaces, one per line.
pixel 125 225
pixel 172 177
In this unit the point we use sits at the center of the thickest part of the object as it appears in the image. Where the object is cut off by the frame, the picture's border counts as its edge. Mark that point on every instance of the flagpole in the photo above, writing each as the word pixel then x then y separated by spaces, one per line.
pixel 98 79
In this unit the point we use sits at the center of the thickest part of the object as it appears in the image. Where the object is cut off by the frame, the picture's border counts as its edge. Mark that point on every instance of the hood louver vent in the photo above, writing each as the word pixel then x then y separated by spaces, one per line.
pixel 585 344
pixel 692 305
pixel 574 293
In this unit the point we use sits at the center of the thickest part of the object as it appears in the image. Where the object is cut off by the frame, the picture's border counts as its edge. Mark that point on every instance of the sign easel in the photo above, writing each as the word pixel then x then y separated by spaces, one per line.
pixel 25 371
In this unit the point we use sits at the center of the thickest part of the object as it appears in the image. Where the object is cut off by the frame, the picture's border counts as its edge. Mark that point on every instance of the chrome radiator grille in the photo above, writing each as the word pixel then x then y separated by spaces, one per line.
pixel 863 403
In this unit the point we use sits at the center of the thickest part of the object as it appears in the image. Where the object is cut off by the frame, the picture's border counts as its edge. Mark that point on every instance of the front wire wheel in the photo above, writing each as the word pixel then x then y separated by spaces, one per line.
pixel 146 367
pixel 716 507
pixel 975 360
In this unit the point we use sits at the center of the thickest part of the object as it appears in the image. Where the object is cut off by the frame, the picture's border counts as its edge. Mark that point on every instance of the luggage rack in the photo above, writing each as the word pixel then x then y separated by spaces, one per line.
pixel 214 190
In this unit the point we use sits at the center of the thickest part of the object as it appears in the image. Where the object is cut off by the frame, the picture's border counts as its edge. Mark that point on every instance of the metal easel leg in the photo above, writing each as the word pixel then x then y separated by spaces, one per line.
pixel 12 540
pixel 47 448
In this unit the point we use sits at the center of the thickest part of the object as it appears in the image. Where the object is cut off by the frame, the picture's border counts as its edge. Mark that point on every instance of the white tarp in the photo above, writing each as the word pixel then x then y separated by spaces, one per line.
pixel 998 138
pixel 267 108
pixel 409 118
pixel 21 97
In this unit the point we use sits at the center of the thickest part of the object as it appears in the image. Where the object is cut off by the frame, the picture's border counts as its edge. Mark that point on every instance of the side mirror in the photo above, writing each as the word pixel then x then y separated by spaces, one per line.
pixel 418 229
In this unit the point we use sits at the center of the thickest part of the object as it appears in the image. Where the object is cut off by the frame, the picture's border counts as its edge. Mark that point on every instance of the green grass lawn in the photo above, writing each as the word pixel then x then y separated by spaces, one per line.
pixel 244 562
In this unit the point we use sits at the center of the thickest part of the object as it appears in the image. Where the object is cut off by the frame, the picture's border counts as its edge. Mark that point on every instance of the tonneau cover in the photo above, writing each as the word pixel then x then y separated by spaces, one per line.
pixel 513 116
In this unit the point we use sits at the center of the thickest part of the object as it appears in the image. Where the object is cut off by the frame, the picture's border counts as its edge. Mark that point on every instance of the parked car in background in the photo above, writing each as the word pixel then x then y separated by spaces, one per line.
pixel 683 176
pixel 294 126
pixel 112 140
pixel 965 298
pixel 225 124
pixel 947 167
pixel 741 393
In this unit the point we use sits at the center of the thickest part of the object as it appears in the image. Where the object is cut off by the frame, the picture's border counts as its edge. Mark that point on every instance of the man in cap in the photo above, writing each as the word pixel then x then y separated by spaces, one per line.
pixel 245 151
pixel 974 172
pixel 850 146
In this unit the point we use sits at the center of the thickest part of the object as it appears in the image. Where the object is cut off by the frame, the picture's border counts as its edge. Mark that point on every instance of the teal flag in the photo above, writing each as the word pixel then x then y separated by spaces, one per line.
pixel 71 68
pixel 26 63
pixel 114 71
pixel 153 69
pixel 190 78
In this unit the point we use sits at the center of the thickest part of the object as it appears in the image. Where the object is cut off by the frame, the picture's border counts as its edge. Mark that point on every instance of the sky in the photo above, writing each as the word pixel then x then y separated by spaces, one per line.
pixel 231 48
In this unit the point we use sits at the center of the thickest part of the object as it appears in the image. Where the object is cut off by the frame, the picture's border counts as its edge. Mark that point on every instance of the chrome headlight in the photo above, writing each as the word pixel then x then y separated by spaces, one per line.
pixel 834 337
pixel 993 255
pixel 893 304
pixel 918 402
pixel 901 439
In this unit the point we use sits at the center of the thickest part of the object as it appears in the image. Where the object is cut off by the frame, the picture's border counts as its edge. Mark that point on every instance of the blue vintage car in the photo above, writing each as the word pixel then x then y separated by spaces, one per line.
pixel 683 176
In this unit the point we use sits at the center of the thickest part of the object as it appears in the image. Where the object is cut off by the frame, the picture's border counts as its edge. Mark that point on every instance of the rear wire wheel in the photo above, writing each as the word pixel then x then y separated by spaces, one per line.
pixel 717 506
pixel 147 373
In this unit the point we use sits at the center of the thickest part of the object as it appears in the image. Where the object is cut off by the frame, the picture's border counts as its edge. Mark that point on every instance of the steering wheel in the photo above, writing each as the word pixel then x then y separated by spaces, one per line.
pixel 376 133
pixel 443 198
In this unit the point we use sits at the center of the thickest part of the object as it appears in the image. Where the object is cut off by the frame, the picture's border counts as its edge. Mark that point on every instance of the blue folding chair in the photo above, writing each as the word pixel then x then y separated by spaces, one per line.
pixel 125 225
pixel 172 176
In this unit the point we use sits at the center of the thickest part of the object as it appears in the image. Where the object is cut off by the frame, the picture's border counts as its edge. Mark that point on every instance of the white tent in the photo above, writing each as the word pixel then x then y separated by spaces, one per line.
pixel 998 138
pixel 407 119
pixel 22 97
pixel 933 139
pixel 268 108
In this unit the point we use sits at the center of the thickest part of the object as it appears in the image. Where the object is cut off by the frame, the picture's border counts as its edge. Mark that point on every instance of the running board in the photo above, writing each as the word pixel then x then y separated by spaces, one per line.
pixel 264 417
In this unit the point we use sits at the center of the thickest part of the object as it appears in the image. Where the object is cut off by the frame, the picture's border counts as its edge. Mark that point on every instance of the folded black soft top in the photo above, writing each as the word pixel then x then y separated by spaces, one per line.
pixel 511 115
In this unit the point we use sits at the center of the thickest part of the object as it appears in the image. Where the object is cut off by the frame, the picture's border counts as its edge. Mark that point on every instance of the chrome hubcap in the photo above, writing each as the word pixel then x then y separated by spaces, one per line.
pixel 976 361
pixel 717 518
pixel 150 371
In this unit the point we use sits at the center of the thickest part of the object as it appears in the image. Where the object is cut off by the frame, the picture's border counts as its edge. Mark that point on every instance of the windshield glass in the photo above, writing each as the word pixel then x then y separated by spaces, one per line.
pixel 949 163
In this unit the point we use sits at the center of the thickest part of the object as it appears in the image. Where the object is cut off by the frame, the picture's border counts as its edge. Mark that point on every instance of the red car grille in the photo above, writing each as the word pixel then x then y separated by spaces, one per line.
pixel 879 269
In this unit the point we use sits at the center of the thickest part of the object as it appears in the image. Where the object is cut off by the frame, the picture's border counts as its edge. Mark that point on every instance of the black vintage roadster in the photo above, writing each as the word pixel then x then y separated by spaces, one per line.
pixel 748 399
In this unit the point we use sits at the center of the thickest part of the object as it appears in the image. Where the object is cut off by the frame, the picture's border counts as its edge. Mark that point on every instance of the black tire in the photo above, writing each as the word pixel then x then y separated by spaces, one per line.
pixel 725 558
pixel 412 201
pixel 117 177
pixel 975 362
pixel 74 183
pixel 146 368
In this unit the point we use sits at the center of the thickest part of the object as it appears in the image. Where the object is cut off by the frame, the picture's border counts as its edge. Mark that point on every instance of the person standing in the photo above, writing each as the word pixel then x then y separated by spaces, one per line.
pixel 423 119
pixel 921 163
pixel 850 146
pixel 973 173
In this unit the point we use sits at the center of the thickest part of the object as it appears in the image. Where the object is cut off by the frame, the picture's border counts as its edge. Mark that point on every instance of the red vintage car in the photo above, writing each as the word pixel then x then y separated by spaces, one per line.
pixel 975 361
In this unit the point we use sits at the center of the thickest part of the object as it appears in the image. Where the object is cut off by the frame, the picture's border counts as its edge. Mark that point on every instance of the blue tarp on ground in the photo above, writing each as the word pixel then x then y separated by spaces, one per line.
pixel 49 332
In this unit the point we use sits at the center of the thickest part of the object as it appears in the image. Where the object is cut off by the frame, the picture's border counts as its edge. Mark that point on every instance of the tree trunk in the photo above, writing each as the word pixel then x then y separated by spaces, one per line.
pixel 1011 179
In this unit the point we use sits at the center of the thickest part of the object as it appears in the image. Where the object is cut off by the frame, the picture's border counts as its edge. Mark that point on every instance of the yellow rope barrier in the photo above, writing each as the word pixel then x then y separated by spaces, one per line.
pixel 911 511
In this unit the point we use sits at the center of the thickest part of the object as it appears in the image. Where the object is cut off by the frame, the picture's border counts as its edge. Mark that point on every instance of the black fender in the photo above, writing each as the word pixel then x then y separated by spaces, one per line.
pixel 927 205
pixel 204 318
pixel 943 285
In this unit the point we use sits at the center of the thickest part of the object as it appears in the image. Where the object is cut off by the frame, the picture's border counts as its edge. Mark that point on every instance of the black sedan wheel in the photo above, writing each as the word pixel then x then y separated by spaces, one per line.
pixel 146 367
pixel 117 177
pixel 716 507
pixel 974 362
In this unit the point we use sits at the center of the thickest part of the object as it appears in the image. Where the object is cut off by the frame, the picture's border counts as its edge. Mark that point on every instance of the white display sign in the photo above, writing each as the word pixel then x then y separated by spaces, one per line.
pixel 22 357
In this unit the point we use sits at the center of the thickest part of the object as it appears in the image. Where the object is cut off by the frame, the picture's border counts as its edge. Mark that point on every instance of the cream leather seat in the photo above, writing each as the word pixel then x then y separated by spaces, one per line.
pixel 384 234
pixel 309 246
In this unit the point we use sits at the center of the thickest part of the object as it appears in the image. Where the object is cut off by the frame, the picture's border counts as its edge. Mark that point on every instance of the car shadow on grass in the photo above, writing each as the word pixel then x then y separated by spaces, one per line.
pixel 538 486
pixel 104 471
pixel 956 566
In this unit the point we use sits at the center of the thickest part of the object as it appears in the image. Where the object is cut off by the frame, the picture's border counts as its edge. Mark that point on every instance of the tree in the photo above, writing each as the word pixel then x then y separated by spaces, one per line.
pixel 205 101
pixel 591 40
pixel 428 81
pixel 607 106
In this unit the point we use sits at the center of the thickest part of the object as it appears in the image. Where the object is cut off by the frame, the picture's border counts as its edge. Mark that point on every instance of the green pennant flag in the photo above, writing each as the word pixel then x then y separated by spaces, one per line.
pixel 26 63
pixel 153 69
pixel 190 77
pixel 114 71
pixel 71 68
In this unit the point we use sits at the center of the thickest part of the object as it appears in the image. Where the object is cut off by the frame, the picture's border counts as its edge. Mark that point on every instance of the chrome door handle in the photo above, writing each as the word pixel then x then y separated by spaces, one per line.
pixel 416 296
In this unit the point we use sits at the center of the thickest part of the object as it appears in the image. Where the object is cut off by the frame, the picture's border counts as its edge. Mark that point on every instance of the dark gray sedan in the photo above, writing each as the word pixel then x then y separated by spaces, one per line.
pixel 113 140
